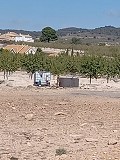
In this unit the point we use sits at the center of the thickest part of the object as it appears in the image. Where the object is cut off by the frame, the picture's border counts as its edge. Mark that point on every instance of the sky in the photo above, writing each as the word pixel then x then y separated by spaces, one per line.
pixel 37 14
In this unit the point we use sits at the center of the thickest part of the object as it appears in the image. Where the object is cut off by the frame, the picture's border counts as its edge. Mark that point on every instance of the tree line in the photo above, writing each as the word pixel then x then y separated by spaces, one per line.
pixel 88 65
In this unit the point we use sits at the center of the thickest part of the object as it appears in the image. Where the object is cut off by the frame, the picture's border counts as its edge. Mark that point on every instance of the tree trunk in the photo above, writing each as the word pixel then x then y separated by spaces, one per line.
pixel 107 78
pixel 7 75
pixel 58 80
pixel 4 74
pixel 90 79
pixel 48 40
pixel 31 75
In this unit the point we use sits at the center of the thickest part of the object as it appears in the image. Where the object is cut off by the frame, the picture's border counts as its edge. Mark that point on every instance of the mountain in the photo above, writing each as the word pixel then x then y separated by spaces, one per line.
pixel 106 33
pixel 71 30
pixel 107 30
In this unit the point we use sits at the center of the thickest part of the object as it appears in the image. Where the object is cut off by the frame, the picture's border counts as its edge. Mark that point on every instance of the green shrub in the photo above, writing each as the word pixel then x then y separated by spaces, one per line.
pixel 60 151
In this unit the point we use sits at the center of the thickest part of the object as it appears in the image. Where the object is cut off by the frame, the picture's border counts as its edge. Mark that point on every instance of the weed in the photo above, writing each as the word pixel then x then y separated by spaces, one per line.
pixel 60 151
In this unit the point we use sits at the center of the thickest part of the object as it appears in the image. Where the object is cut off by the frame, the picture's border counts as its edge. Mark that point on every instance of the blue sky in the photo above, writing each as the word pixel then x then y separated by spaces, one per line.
pixel 37 14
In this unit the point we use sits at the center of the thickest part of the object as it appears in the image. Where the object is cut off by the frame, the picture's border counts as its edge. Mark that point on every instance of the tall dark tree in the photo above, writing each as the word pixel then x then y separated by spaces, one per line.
pixel 48 34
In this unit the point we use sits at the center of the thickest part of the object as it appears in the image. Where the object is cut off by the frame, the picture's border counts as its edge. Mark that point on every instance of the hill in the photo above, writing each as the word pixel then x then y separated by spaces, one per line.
pixel 71 30
pixel 102 34
pixel 107 30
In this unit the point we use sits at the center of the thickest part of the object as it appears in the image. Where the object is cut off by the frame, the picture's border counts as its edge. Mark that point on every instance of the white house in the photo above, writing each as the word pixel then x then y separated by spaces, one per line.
pixel 12 36
pixel 24 38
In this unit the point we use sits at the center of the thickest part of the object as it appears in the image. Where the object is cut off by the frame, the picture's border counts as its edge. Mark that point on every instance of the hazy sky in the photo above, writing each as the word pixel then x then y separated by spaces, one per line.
pixel 36 14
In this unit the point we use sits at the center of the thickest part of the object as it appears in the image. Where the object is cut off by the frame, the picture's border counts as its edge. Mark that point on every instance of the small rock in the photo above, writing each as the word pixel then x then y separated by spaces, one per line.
pixel 84 124
pixel 46 104
pixel 9 104
pixel 104 136
pixel 29 117
pixel 29 144
pixel 13 158
pixel 27 135
pixel 60 114
pixel 9 85
pixel 77 137
pixel 91 140
pixel 13 108
pixel 115 131
pixel 112 142
pixel 76 141
pixel 63 103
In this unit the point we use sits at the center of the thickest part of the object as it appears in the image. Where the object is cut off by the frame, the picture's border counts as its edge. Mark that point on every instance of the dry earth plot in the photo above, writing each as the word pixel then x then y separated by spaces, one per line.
pixel 58 124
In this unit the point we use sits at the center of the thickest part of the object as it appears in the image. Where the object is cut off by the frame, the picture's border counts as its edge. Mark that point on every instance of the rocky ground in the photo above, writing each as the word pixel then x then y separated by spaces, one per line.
pixel 59 124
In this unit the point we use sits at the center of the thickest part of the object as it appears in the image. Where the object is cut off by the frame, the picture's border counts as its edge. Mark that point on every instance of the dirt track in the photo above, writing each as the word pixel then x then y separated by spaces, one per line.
pixel 36 122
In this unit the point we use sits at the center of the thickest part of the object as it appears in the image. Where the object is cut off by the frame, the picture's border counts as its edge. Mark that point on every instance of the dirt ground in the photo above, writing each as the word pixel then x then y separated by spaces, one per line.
pixel 42 123
pixel 22 79
pixel 35 122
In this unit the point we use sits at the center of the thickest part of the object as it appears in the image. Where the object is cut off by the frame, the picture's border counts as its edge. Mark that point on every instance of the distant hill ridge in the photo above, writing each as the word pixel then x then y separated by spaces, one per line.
pixel 107 30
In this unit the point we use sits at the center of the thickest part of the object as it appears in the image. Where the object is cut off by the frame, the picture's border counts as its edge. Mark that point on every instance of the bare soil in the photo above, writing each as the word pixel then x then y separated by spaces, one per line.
pixel 35 122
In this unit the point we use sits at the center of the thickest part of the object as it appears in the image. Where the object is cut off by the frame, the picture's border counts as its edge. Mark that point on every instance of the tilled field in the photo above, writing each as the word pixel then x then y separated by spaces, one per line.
pixel 53 124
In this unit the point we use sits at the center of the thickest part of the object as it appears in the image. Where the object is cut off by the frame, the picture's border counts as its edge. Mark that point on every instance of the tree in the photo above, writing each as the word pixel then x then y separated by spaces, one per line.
pixel 28 64
pixel 58 66
pixel 76 40
pixel 91 66
pixel 71 65
pixel 110 68
pixel 9 62
pixel 32 63
pixel 48 34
